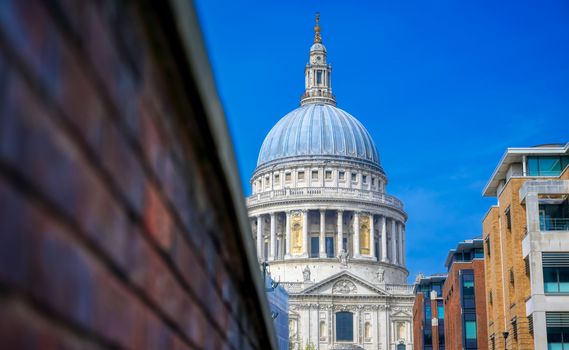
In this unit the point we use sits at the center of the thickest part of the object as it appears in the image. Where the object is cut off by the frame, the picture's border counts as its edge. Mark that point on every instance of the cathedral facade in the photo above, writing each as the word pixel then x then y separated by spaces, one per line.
pixel 326 226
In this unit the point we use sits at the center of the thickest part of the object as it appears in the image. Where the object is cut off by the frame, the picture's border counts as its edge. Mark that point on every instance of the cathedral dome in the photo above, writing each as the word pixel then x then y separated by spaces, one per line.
pixel 319 131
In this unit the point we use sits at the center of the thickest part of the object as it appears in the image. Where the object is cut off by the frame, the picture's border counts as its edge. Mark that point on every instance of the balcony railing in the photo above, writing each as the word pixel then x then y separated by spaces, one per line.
pixel 323 192
pixel 554 224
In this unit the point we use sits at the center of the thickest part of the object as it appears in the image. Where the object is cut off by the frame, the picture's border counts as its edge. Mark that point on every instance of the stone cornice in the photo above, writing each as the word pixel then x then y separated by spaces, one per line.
pixel 314 204
pixel 353 261
pixel 318 161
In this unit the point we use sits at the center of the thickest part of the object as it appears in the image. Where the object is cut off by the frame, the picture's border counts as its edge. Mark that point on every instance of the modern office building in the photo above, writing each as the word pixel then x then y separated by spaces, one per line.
pixel 327 227
pixel 429 313
pixel 526 249
pixel 464 297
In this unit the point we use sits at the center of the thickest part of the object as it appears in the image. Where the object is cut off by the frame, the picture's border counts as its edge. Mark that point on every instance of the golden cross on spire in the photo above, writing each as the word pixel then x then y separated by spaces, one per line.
pixel 317 37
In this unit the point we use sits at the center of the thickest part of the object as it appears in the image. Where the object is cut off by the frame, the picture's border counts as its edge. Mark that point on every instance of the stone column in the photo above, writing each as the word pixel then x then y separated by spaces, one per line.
pixel 532 213
pixel 403 244
pixel 371 237
pixel 393 242
pixel 340 229
pixel 287 234
pixel 305 233
pixel 383 239
pixel 356 234
pixel 273 241
pixel 400 243
pixel 260 237
pixel 322 249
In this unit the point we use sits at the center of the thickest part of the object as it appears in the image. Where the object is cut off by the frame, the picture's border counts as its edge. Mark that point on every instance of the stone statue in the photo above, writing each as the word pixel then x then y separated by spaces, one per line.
pixel 343 257
pixel 419 277
pixel 380 274
pixel 306 274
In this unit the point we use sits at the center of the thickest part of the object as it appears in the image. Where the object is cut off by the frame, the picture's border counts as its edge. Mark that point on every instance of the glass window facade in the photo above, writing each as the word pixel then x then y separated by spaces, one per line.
pixel 556 279
pixel 344 326
pixel 469 337
pixel 467 255
pixel 546 166
pixel 441 317
pixel 557 338
pixel 440 310
pixel 314 246
pixel 554 217
pixel 479 253
pixel 470 330
pixel 428 312
pixel 330 247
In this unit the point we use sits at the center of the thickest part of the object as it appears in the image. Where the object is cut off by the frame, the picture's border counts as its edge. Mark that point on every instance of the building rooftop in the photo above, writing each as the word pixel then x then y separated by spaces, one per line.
pixel 516 155
pixel 422 280
pixel 465 245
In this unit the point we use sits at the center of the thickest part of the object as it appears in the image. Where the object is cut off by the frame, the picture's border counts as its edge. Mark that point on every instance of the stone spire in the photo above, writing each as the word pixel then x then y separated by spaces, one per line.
pixel 317 73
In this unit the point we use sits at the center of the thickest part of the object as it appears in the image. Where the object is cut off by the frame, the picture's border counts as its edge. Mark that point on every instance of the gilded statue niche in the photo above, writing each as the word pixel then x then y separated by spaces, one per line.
pixel 296 233
pixel 364 235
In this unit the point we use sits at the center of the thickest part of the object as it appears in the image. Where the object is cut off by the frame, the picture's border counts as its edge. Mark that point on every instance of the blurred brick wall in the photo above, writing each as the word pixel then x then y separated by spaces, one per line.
pixel 114 228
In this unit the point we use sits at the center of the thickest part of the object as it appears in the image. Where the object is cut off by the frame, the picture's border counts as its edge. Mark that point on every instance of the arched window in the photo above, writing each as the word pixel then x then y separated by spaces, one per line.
pixel 344 326
pixel 367 330
pixel 401 347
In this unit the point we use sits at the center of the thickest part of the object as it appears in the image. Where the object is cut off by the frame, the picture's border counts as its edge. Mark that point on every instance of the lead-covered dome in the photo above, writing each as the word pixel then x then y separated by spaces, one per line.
pixel 318 130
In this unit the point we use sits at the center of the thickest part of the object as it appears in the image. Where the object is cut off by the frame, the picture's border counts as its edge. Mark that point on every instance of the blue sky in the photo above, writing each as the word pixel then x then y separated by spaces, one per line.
pixel 442 86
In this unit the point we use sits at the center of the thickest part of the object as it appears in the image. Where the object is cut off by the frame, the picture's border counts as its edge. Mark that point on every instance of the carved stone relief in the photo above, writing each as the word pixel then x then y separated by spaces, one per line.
pixel 344 287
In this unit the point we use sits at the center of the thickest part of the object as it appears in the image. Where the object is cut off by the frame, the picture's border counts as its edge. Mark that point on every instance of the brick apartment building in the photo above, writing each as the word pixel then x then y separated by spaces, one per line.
pixel 464 297
pixel 526 248
pixel 429 313
pixel 122 220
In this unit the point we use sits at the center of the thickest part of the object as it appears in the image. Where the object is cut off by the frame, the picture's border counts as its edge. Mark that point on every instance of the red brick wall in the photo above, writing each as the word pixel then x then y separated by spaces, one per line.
pixel 435 314
pixel 452 302
pixel 418 318
pixel 115 226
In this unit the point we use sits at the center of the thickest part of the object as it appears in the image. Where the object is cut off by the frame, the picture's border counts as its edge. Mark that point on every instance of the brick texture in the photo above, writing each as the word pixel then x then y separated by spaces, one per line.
pixel 418 320
pixel 505 270
pixel 115 227
pixel 453 305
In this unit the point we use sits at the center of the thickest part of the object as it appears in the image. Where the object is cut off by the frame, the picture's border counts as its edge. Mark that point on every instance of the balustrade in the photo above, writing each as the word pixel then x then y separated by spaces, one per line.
pixel 338 192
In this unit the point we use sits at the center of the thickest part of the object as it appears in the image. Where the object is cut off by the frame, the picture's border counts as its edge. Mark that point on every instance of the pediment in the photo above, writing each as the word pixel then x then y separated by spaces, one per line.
pixel 344 284
pixel 400 314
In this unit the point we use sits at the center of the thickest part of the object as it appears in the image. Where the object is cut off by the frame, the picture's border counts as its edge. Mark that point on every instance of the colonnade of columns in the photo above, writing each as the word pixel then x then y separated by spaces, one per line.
pixel 388 232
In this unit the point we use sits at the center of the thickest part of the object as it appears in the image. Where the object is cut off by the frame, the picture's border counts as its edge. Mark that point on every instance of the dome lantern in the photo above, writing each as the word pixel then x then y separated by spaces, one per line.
pixel 318 73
